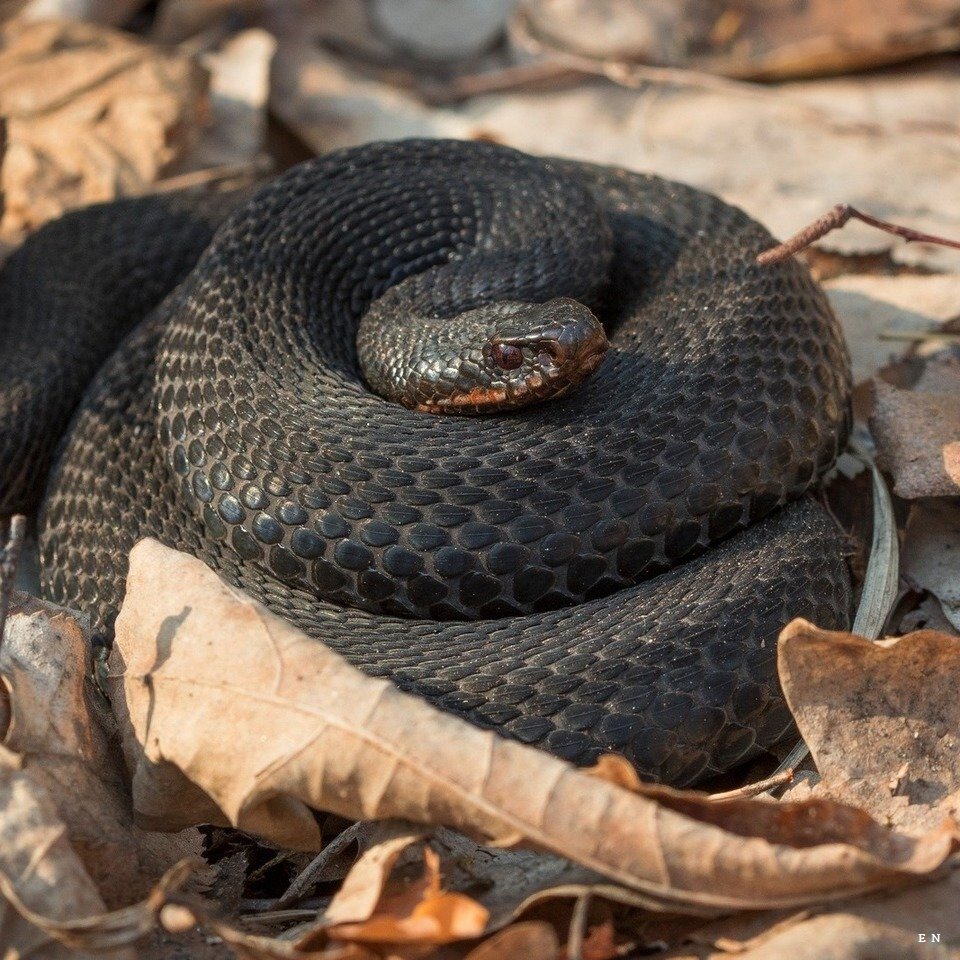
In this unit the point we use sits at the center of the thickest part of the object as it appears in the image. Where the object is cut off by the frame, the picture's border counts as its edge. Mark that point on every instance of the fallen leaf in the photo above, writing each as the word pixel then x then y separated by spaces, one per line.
pixel 421 913
pixel 91 115
pixel 931 553
pixel 751 38
pixel 928 615
pixel 361 891
pixel 616 770
pixel 836 936
pixel 600 943
pixel 871 307
pixel 61 734
pixel 529 940
pixel 918 432
pixel 218 698
pixel 42 881
pixel 882 719
pixel 239 83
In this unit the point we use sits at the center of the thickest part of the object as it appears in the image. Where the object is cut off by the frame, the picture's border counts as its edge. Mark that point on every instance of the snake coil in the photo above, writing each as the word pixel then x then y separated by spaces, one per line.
pixel 607 570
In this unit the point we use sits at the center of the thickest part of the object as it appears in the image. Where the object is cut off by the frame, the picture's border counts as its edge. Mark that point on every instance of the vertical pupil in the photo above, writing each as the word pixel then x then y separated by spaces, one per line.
pixel 507 356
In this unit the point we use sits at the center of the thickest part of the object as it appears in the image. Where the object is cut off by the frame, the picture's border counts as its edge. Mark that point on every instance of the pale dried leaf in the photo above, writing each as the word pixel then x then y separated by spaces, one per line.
pixel 417 913
pixel 357 898
pixel 928 615
pixel 931 553
pixel 616 770
pixel 267 723
pixel 871 306
pixel 882 720
pixel 752 38
pixel 918 432
pixel 39 871
pixel 91 115
pixel 530 940
pixel 61 734
pixel 835 936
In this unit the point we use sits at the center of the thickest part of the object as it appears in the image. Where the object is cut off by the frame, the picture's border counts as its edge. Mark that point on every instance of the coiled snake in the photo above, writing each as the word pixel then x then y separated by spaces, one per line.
pixel 573 572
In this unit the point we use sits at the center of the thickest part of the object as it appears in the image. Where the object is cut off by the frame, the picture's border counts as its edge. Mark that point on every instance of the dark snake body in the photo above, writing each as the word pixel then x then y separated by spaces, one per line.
pixel 498 566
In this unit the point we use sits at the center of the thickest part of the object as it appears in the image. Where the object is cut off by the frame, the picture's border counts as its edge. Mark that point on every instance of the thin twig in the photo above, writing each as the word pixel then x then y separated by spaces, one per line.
pixel 307 877
pixel 264 910
pixel 11 543
pixel 225 171
pixel 578 926
pixel 919 336
pixel 753 789
pixel 834 219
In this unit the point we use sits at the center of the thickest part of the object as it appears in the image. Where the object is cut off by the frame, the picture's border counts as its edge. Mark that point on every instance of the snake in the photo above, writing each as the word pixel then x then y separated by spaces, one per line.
pixel 538 440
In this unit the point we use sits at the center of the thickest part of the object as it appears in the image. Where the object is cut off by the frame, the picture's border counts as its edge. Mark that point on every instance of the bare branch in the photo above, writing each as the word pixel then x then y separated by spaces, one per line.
pixel 834 219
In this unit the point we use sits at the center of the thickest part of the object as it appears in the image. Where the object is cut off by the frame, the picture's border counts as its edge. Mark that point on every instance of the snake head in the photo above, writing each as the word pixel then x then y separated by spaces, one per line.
pixel 495 358
pixel 535 352
pixel 541 352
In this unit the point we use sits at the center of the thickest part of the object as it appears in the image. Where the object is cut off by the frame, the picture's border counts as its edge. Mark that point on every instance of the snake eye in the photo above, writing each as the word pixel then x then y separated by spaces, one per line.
pixel 507 356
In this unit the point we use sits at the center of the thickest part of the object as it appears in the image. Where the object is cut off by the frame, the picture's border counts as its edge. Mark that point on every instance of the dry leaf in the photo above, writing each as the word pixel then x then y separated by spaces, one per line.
pixel 931 553
pixel 91 115
pixel 220 699
pixel 832 937
pixel 362 890
pixel 616 770
pixel 529 940
pixel 882 719
pixel 928 615
pixel 600 943
pixel 918 432
pixel 61 735
pixel 752 38
pixel 870 306
pixel 40 874
pixel 420 913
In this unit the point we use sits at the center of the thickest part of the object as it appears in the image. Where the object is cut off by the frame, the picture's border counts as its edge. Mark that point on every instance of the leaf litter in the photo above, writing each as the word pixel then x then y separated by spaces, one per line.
pixel 852 862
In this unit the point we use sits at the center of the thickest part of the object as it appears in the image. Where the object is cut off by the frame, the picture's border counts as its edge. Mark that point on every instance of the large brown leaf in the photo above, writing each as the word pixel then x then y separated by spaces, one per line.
pixel 882 719
pixel 231 715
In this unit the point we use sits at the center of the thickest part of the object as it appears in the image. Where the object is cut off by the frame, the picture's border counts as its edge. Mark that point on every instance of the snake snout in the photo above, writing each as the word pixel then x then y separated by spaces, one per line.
pixel 576 344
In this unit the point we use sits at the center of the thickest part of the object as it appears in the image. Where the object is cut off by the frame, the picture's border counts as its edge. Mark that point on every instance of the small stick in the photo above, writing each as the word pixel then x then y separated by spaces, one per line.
pixel 305 879
pixel 200 178
pixel 578 926
pixel 834 219
pixel 919 336
pixel 753 789
pixel 11 542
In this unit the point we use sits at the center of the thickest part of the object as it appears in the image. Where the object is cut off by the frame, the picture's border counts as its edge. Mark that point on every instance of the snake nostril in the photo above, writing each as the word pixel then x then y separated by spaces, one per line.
pixel 546 359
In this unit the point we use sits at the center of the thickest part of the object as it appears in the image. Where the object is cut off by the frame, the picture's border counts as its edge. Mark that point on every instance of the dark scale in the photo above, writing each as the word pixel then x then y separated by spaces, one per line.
pixel 449 407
